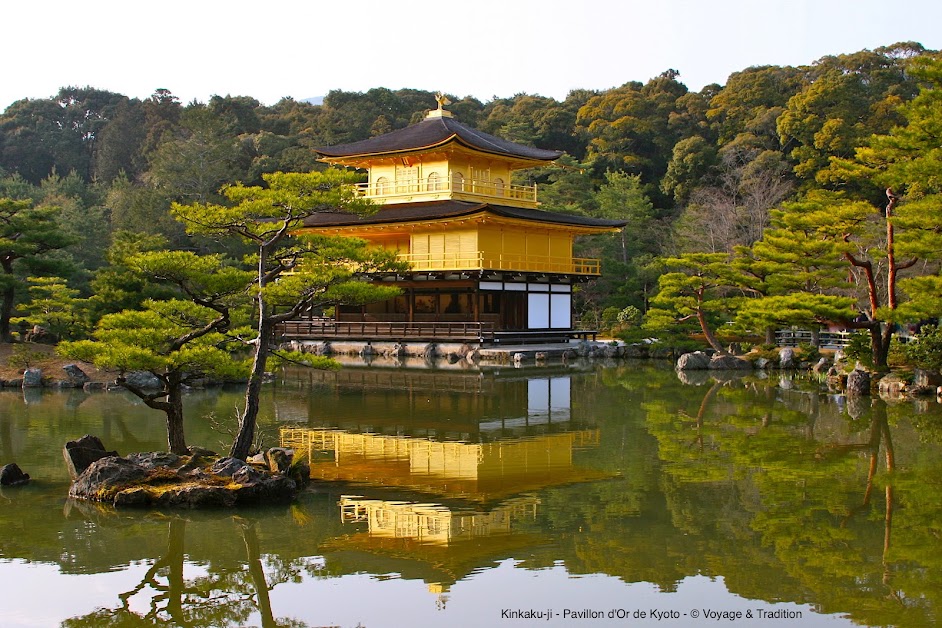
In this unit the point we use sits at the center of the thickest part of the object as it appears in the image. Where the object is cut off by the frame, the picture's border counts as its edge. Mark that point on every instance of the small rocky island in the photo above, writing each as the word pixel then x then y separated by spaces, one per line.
pixel 166 480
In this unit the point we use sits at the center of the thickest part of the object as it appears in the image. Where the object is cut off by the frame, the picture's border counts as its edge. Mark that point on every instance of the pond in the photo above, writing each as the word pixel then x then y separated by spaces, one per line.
pixel 563 495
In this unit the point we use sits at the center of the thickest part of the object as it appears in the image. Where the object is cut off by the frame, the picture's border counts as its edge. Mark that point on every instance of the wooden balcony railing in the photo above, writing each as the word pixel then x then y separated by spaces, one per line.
pixel 393 330
pixel 411 188
pixel 522 263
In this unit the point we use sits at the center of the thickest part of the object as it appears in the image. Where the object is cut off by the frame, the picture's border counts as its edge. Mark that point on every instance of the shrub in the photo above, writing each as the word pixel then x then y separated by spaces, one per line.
pixel 23 357
pixel 809 353
pixel 858 348
pixel 925 351
pixel 629 317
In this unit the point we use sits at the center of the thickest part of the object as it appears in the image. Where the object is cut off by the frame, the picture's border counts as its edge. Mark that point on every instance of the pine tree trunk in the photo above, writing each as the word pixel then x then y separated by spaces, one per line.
pixel 175 434
pixel 770 335
pixel 6 306
pixel 708 333
pixel 242 445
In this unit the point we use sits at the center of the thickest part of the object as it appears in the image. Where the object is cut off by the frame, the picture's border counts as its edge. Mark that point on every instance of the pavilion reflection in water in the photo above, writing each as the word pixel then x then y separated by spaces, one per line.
pixel 452 499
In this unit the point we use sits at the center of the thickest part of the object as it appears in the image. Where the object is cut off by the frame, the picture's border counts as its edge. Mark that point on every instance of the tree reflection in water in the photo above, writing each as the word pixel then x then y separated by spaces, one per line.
pixel 222 597
pixel 812 488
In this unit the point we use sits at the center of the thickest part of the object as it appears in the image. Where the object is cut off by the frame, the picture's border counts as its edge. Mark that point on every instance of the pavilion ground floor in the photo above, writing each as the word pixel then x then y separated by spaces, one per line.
pixel 486 310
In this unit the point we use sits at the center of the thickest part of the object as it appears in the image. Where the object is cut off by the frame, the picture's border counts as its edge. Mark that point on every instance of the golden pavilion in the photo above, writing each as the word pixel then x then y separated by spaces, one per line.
pixel 485 263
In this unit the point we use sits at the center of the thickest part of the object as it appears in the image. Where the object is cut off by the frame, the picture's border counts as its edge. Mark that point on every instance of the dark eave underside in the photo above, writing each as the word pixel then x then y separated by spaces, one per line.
pixel 433 132
pixel 436 210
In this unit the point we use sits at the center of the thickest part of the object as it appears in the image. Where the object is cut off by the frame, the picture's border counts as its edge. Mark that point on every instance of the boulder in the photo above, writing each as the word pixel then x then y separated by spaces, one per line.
pixel 143 380
pixel 892 387
pixel 300 471
pixel 77 378
pixel 821 366
pixel 696 361
pixel 269 489
pixel 32 378
pixel 927 379
pixel 80 454
pixel 227 467
pixel 858 383
pixel 12 475
pixel 635 350
pixel 787 359
pixel 278 459
pixel 105 477
pixel 153 459
pixel 762 363
pixel 728 363
pixel 247 475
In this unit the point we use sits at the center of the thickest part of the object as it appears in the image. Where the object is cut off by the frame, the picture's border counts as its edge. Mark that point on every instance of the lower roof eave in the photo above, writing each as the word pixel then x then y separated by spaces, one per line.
pixel 484 275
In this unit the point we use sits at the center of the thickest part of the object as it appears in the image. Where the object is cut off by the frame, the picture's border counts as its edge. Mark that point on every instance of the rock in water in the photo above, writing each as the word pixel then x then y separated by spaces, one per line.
pixel 106 477
pixel 858 383
pixel 278 459
pixel 32 378
pixel 12 475
pixel 77 376
pixel 696 361
pixel 787 358
pixel 729 363
pixel 81 453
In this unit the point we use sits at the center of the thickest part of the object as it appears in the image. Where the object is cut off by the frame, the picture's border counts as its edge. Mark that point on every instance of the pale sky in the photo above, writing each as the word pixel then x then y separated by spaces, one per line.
pixel 483 48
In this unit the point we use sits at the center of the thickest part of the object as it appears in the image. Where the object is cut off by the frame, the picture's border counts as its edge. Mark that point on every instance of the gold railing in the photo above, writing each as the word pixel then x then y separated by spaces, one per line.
pixel 391 189
pixel 524 263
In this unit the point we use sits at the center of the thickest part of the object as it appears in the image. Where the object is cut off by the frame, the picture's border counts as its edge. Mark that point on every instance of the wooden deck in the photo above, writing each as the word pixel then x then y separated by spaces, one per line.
pixel 432 331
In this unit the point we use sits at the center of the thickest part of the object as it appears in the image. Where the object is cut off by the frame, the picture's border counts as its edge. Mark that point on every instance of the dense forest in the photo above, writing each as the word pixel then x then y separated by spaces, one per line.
pixel 728 179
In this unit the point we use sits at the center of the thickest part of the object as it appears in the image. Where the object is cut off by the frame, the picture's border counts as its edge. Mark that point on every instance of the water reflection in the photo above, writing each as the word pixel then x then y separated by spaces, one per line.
pixel 442 496
pixel 170 591
pixel 457 485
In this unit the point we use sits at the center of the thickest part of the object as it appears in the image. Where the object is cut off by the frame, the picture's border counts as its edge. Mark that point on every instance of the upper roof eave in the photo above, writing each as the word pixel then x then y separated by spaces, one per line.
pixel 432 133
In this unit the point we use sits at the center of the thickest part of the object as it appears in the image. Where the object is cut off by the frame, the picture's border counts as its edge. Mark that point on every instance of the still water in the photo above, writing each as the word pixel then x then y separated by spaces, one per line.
pixel 558 496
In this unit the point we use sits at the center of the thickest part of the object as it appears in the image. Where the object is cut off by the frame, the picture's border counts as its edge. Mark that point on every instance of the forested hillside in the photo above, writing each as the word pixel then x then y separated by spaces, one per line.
pixel 691 172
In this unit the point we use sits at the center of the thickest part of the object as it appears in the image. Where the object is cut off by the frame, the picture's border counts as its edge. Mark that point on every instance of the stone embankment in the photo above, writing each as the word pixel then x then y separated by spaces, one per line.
pixel 74 377
pixel 838 374
pixel 166 480
pixel 474 354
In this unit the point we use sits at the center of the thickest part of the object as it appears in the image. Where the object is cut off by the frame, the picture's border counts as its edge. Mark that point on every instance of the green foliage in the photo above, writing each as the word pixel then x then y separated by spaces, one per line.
pixel 925 351
pixel 858 348
pixel 23 356
pixel 294 272
pixel 117 286
pixel 282 358
pixel 152 339
pixel 609 317
pixel 808 353
pixel 630 316
pixel 55 307
pixel 28 238
pixel 697 290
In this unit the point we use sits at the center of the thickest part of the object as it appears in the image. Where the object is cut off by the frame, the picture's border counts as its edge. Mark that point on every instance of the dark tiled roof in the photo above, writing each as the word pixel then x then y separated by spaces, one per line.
pixel 433 132
pixel 450 209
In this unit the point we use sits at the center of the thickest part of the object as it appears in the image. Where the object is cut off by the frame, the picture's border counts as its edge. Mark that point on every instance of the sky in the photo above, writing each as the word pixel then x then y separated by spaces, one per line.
pixel 303 49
